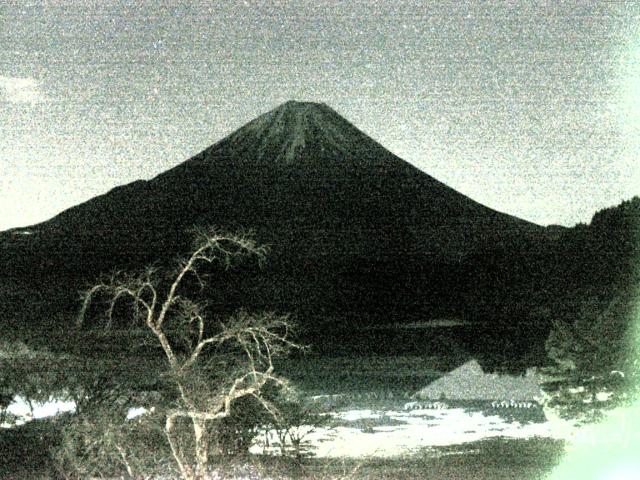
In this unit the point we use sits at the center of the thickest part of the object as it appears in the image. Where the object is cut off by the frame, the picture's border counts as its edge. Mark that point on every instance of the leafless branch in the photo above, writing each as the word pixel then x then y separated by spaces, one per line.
pixel 257 338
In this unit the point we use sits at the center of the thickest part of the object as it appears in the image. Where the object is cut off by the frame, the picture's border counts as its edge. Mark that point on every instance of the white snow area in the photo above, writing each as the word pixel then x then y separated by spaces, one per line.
pixel 21 409
pixel 390 433
pixel 407 431
pixel 419 429
pixel 603 396
pixel 136 412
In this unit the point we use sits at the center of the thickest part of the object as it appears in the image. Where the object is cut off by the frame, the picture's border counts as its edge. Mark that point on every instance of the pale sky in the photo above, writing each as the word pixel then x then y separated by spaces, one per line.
pixel 532 108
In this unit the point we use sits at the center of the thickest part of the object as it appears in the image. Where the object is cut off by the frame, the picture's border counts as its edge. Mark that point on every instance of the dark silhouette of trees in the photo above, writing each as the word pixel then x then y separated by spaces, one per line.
pixel 591 344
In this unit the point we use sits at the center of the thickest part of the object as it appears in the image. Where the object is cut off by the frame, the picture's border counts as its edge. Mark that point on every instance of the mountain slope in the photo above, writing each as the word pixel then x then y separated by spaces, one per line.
pixel 356 233
pixel 296 169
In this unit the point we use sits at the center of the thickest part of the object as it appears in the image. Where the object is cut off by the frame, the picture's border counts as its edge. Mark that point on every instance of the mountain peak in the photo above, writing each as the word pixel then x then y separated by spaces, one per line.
pixel 301 105
pixel 281 134
pixel 298 108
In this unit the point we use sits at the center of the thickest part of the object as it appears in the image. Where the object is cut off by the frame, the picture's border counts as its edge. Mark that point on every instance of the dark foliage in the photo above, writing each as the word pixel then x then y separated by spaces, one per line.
pixel 592 313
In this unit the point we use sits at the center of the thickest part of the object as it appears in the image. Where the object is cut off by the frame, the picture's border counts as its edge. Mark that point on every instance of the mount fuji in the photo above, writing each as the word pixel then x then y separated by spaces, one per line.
pixel 357 235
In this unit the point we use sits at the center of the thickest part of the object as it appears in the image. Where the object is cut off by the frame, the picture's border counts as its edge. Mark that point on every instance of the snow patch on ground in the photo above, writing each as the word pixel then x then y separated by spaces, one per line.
pixel 391 433
pixel 416 429
pixel 21 409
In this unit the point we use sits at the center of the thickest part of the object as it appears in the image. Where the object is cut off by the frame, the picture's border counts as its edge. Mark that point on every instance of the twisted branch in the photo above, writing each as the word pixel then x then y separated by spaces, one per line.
pixel 257 337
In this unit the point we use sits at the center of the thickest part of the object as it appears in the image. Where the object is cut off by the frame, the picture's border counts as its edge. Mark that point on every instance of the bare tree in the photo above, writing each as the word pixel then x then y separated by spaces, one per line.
pixel 207 379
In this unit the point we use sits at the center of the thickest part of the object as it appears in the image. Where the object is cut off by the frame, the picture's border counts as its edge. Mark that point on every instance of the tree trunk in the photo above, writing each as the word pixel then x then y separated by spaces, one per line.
pixel 125 461
pixel 185 469
pixel 201 448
